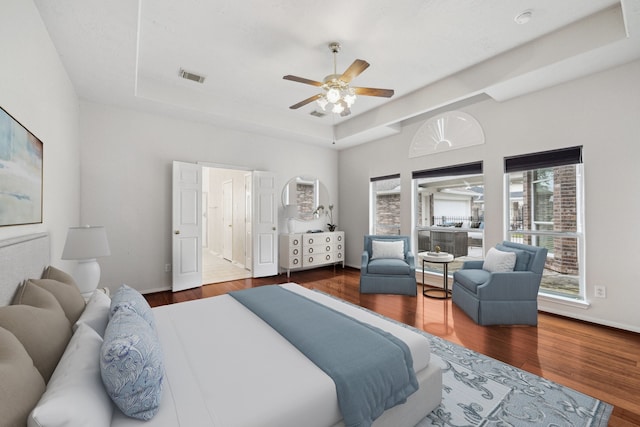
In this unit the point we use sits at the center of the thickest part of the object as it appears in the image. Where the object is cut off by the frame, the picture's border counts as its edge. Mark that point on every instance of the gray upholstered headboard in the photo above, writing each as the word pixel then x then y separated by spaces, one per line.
pixel 21 258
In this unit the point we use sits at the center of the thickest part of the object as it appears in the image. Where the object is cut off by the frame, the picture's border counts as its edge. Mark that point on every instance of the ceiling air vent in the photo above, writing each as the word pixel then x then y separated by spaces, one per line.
pixel 317 113
pixel 191 76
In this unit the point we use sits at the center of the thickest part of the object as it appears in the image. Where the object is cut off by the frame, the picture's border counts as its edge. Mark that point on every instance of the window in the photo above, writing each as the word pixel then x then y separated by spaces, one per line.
pixel 546 209
pixel 385 205
pixel 448 212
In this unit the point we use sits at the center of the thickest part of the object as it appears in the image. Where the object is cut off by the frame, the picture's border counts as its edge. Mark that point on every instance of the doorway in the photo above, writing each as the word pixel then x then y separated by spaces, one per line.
pixel 225 211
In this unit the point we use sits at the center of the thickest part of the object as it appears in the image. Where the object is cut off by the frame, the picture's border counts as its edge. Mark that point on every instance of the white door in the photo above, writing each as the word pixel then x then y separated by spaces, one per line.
pixel 187 226
pixel 265 225
pixel 205 220
pixel 227 220
pixel 248 242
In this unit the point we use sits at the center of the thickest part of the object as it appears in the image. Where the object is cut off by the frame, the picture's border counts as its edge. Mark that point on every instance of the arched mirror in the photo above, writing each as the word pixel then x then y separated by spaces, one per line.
pixel 305 198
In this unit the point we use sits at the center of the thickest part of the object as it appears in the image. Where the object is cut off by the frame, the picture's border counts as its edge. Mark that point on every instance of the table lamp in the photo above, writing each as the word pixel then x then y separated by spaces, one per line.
pixel 85 244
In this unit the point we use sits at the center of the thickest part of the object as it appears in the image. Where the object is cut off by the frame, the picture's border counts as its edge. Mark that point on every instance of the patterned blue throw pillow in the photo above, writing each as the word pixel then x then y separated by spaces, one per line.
pixel 127 298
pixel 131 365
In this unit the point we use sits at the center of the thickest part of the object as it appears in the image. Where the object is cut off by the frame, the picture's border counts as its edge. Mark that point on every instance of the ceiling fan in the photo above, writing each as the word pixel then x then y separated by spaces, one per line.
pixel 336 92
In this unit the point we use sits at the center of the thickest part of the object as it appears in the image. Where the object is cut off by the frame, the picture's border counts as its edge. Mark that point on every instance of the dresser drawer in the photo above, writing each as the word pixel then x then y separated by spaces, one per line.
pixel 317 249
pixel 318 259
pixel 292 240
pixel 295 251
pixel 294 262
pixel 316 239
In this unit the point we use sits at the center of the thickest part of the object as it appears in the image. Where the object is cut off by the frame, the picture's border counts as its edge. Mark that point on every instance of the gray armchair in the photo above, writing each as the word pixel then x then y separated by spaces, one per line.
pixel 509 298
pixel 392 275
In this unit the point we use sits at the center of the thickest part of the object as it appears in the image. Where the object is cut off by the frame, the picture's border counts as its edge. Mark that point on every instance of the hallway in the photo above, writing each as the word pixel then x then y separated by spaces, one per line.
pixel 216 269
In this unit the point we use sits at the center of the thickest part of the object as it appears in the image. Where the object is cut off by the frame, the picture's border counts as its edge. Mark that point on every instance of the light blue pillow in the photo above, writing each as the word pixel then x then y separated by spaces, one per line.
pixel 127 298
pixel 131 365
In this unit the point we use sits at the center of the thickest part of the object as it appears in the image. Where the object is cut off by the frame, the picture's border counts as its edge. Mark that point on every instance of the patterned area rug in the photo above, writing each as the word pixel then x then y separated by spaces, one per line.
pixel 481 391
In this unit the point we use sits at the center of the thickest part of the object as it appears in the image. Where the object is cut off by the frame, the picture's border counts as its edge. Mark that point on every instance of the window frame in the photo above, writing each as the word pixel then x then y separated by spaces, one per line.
pixel 461 171
pixel 542 160
pixel 373 200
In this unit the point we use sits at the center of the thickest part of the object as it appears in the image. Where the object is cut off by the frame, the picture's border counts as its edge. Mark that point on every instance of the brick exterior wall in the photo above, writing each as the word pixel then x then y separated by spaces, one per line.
pixel 388 214
pixel 564 250
pixel 304 200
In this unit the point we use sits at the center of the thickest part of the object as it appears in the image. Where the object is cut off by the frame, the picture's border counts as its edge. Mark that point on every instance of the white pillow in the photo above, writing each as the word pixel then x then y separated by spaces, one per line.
pixel 387 249
pixel 96 312
pixel 498 261
pixel 75 395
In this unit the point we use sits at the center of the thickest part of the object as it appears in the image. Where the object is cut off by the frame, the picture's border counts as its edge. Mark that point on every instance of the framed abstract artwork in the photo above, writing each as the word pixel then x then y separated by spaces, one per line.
pixel 20 173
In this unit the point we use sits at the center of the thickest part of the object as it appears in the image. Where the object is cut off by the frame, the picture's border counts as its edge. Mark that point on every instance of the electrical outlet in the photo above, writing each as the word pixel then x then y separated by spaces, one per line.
pixel 600 291
pixel 167 268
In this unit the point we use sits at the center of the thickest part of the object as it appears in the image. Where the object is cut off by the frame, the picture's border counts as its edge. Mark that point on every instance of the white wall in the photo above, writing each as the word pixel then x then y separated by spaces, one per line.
pixel 36 91
pixel 600 112
pixel 126 180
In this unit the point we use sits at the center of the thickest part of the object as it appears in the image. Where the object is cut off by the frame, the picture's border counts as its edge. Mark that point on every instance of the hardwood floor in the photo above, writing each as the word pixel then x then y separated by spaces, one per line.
pixel 596 360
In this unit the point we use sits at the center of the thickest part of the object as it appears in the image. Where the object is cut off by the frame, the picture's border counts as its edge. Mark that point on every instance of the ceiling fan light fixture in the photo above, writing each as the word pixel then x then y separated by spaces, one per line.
pixel 335 87
pixel 338 108
pixel 322 102
pixel 333 95
pixel 349 97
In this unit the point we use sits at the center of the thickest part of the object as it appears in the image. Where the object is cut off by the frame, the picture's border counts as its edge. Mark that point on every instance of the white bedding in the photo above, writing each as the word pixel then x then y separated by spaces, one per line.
pixel 215 379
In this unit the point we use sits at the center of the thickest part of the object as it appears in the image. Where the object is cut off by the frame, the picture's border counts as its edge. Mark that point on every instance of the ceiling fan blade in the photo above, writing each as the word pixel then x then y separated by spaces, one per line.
pixel 369 91
pixel 302 80
pixel 354 70
pixel 305 102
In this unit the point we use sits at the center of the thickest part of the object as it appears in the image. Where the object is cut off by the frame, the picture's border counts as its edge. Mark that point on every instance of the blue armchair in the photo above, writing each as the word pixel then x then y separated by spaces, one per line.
pixel 391 269
pixel 502 298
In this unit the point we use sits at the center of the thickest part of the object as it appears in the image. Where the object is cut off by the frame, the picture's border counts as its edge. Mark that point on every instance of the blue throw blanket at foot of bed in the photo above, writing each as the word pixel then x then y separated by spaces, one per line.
pixel 372 369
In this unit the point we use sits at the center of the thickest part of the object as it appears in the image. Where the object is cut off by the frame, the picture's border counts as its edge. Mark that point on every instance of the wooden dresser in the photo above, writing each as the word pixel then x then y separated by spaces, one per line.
pixel 309 250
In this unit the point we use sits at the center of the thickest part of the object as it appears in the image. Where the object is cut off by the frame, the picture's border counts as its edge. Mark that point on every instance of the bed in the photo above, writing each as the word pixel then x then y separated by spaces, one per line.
pixel 222 364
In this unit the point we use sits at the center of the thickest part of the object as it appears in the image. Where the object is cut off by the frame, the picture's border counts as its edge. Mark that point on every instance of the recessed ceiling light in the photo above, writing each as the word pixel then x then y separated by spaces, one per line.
pixel 524 17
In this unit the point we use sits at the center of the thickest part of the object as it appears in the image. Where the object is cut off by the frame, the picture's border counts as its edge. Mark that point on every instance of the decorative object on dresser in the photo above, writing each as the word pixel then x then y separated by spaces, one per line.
pixel 331 226
pixel 290 212
pixel 310 250
pixel 85 244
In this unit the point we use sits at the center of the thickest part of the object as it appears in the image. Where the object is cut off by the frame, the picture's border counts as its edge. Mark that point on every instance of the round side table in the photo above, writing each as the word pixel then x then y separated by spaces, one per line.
pixel 437 258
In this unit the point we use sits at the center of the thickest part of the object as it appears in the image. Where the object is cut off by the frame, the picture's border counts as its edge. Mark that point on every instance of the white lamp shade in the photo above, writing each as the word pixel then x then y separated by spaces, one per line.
pixel 86 243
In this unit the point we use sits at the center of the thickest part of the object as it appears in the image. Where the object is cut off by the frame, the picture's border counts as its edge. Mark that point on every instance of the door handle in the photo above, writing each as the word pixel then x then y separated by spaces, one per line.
pixel 176 232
